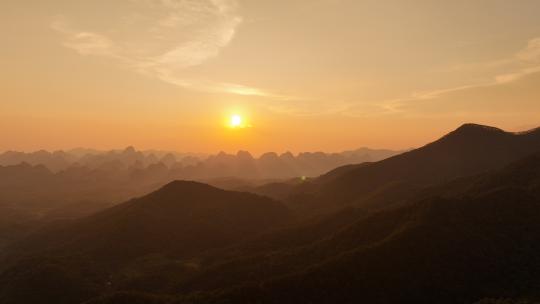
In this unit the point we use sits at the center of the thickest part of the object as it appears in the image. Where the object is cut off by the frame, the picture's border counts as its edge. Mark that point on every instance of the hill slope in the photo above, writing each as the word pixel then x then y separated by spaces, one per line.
pixel 482 242
pixel 181 218
pixel 446 241
pixel 470 149
pixel 177 223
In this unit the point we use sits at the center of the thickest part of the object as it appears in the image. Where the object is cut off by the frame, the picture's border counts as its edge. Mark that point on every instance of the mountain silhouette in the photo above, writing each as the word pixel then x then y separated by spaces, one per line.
pixel 455 221
pixel 471 239
pixel 46 186
pixel 480 241
pixel 470 149
pixel 194 166
pixel 181 218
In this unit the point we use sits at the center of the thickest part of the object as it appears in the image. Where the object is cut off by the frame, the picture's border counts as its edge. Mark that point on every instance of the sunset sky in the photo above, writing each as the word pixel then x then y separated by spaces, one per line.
pixel 304 75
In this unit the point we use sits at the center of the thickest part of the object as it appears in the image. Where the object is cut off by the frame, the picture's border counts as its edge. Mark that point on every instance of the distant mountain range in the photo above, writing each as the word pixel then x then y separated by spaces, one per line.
pixel 197 166
pixel 79 182
pixel 62 160
pixel 455 221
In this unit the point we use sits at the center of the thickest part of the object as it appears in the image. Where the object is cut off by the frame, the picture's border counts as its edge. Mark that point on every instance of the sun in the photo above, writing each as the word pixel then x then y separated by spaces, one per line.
pixel 236 121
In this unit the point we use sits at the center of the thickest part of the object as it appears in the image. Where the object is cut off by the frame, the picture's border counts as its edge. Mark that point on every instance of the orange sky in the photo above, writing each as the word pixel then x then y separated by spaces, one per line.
pixel 308 74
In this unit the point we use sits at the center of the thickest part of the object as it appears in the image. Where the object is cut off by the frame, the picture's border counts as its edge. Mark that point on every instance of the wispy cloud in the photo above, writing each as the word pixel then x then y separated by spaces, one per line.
pixel 182 34
pixel 85 43
pixel 498 72
pixel 531 52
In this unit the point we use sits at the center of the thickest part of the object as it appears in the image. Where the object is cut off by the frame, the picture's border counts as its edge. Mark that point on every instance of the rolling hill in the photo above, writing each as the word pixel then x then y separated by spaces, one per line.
pixel 456 221
pixel 180 221
pixel 471 149
pixel 480 242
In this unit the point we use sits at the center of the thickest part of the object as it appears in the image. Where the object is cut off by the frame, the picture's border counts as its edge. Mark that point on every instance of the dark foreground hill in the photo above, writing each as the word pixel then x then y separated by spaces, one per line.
pixel 181 218
pixel 180 221
pixel 483 241
pixel 467 230
pixel 480 243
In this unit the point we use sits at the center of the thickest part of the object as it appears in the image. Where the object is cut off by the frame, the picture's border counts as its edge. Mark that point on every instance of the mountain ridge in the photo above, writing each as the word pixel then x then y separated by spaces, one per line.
pixel 443 223
pixel 181 217
pixel 468 150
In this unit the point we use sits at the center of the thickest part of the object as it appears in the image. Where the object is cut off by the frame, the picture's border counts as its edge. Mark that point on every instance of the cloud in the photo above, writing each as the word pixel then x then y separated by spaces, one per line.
pixel 178 36
pixel 173 38
pixel 531 52
pixel 85 43
pixel 499 72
